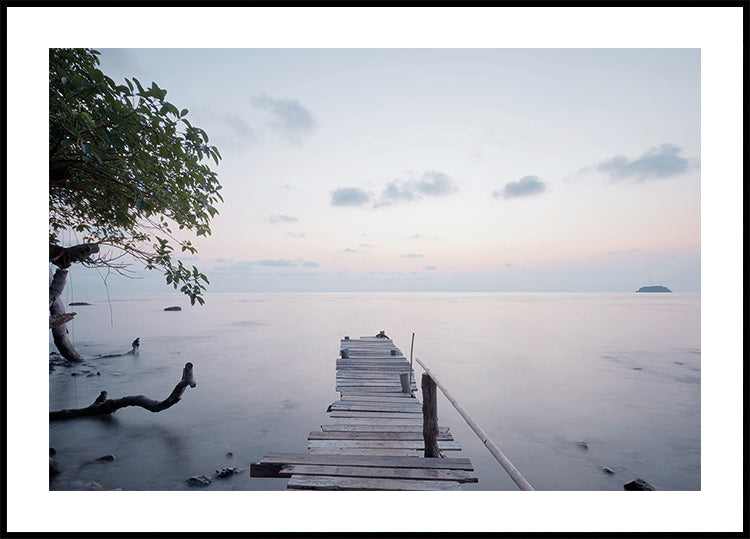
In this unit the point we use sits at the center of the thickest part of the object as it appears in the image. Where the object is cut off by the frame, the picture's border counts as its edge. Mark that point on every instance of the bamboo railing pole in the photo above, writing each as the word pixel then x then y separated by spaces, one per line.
pixel 513 472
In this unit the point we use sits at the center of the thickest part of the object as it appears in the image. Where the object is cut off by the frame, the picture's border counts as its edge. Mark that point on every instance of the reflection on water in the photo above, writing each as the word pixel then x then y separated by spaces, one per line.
pixel 540 373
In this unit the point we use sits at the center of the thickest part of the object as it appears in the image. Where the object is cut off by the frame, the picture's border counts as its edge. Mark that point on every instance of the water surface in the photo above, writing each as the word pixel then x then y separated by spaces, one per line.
pixel 542 374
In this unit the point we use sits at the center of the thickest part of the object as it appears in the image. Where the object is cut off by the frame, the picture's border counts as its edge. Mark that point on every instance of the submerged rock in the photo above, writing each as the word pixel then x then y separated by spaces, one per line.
pixel 608 470
pixel 54 467
pixel 637 484
pixel 583 445
pixel 173 308
pixel 198 481
pixel 105 458
pixel 226 472
pixel 95 486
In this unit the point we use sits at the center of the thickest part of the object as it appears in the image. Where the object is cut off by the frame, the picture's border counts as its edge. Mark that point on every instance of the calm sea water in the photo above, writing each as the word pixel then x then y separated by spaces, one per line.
pixel 539 372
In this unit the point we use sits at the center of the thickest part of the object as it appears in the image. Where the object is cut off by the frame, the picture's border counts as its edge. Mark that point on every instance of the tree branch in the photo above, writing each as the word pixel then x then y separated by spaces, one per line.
pixel 63 257
pixel 104 406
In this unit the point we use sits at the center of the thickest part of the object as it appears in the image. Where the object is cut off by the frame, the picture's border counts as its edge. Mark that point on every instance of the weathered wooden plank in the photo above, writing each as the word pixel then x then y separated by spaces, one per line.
pixel 374 427
pixel 355 374
pixel 451 463
pixel 371 435
pixel 379 398
pixel 365 452
pixel 369 383
pixel 353 406
pixel 354 390
pixel 370 413
pixel 320 482
pixel 379 401
pixel 382 444
pixel 403 420
pixel 421 474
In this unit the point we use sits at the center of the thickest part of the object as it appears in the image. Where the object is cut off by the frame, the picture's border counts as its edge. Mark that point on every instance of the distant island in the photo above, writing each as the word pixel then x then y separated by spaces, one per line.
pixel 658 288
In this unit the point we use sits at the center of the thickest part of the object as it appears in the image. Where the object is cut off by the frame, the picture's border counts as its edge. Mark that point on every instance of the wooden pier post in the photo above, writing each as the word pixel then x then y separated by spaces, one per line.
pixel 405 378
pixel 429 413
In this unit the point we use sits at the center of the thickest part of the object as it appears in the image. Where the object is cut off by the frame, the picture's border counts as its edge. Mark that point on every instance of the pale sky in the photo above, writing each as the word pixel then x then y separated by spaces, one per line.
pixel 441 169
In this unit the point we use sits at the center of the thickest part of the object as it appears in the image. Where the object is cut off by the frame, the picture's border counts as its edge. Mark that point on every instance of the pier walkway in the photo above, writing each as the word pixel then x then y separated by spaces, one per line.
pixel 373 439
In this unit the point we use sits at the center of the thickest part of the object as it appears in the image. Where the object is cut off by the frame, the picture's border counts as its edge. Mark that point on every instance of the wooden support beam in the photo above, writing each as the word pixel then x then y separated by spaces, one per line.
pixel 429 413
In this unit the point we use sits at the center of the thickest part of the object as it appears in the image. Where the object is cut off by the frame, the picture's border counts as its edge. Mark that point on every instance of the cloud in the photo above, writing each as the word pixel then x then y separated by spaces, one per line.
pixel 239 126
pixel 509 265
pixel 291 119
pixel 430 268
pixel 528 185
pixel 412 255
pixel 277 263
pixel 296 234
pixel 348 250
pixel 349 196
pixel 278 218
pixel 627 251
pixel 656 163
pixel 310 264
pixel 434 183
pixel 431 184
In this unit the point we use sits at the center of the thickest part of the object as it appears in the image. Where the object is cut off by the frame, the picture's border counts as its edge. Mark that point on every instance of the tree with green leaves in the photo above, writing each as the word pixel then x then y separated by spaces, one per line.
pixel 129 177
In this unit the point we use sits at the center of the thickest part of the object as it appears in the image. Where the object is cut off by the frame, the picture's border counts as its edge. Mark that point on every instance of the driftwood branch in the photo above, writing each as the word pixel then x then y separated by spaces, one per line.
pixel 104 406
pixel 134 351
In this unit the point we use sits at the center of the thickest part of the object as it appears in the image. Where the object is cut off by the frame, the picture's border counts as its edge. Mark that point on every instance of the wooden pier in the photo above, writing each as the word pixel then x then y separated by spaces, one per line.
pixel 374 438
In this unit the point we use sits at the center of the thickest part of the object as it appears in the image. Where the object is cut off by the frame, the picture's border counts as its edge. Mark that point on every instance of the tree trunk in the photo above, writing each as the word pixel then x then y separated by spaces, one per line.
pixel 57 310
pixel 103 406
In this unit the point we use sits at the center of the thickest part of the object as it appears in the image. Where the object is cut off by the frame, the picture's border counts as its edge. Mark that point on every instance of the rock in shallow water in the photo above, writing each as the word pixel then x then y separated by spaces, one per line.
pixel 226 472
pixel 173 308
pixel 199 481
pixel 637 484
pixel 54 468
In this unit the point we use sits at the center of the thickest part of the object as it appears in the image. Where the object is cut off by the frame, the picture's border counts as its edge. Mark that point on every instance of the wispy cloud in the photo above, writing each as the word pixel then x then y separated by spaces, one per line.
pixel 412 255
pixel 627 251
pixel 526 186
pixel 350 196
pixel 430 268
pixel 658 162
pixel 278 218
pixel 290 118
pixel 277 263
pixel 296 234
pixel 430 184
